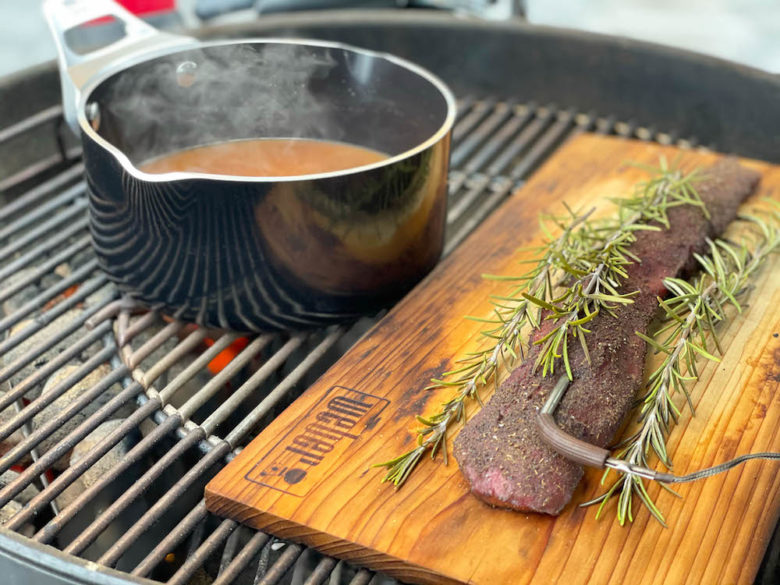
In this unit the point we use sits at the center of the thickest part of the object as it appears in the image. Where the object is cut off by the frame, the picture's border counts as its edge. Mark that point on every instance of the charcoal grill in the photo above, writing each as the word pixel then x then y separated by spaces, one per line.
pixel 153 417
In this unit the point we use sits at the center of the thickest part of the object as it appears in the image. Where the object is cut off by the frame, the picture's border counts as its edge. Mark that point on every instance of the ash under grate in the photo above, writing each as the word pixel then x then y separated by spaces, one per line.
pixel 114 417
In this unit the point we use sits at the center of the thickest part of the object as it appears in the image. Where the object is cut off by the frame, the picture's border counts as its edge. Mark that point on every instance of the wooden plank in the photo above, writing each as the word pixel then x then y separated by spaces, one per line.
pixel 433 530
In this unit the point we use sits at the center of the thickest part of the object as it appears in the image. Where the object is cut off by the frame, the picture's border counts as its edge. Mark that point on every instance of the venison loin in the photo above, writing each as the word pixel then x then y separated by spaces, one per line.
pixel 501 452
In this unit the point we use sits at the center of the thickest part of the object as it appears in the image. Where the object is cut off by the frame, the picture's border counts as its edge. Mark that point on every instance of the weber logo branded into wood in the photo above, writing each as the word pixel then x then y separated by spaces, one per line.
pixel 338 418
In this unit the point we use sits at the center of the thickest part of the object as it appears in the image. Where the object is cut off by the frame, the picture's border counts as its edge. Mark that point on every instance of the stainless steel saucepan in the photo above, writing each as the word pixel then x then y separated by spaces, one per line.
pixel 255 253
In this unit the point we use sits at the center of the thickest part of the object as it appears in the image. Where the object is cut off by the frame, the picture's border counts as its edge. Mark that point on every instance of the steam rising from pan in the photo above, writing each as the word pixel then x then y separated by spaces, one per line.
pixel 243 91
pixel 223 92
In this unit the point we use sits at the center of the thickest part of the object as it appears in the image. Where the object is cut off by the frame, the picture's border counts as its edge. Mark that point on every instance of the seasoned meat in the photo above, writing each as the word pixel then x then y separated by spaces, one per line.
pixel 500 451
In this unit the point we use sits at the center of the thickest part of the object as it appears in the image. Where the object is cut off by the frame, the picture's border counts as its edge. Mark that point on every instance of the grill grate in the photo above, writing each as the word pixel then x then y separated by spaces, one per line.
pixel 113 418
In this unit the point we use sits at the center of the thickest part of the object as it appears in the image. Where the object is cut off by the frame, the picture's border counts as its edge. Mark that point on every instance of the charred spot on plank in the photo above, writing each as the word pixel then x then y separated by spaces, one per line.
pixel 372 422
pixel 415 397
pixel 772 370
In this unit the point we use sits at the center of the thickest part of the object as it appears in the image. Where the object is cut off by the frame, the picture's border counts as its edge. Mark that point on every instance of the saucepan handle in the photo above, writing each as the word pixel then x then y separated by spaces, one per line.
pixel 76 70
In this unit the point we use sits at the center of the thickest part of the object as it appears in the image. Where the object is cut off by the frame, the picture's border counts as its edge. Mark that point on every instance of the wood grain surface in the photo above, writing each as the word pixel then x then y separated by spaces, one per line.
pixel 307 477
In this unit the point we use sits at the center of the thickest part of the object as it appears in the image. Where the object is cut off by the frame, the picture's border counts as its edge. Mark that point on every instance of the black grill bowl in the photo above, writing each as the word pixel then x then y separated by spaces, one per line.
pixel 522 90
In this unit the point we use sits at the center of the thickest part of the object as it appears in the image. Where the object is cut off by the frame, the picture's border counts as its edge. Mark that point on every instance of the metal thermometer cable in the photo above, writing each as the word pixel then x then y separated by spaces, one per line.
pixel 591 455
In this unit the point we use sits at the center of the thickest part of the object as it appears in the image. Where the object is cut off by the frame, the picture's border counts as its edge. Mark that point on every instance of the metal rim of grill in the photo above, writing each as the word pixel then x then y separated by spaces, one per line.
pixel 183 433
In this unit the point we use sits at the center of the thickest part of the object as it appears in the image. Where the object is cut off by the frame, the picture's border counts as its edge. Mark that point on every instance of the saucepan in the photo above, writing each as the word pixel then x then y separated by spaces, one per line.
pixel 256 253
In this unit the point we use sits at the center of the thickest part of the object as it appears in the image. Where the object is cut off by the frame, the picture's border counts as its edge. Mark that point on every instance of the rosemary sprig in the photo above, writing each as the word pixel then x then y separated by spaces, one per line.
pixel 480 367
pixel 587 262
pixel 593 277
pixel 692 313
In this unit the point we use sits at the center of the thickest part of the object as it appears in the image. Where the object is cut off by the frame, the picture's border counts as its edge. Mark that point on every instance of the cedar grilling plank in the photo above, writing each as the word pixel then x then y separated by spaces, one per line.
pixel 500 451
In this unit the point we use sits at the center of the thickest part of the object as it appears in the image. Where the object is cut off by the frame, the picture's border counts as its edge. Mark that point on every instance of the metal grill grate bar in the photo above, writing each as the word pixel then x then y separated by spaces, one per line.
pixel 362 577
pixel 45 268
pixel 282 565
pixel 455 182
pixel 490 203
pixel 50 293
pixel 471 115
pixel 45 248
pixel 61 448
pixel 53 527
pixel 47 115
pixel 476 186
pixel 626 129
pixel 101 522
pixel 203 552
pixel 500 138
pixel 195 474
pixel 40 192
pixel 41 210
pixel 321 572
pixel 76 210
pixel 75 470
pixel 605 125
pixel 481 133
pixel 251 420
pixel 166 333
pixel 37 405
pixel 34 439
pixel 127 332
pixel 172 540
pixel 34 353
pixel 237 397
pixel 42 373
pixel 521 142
pixel 229 550
pixel 542 146
pixel 50 315
pixel 252 350
pixel 167 393
pixel 192 341
pixel 241 561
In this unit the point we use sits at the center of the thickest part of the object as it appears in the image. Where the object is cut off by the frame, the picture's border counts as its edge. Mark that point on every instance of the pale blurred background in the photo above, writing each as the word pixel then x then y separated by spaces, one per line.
pixel 746 31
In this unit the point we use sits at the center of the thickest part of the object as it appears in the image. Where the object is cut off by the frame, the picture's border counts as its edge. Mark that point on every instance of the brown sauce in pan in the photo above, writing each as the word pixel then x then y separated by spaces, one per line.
pixel 269 157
